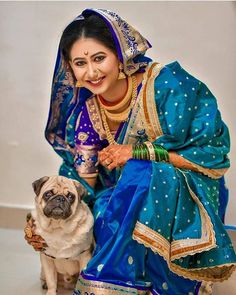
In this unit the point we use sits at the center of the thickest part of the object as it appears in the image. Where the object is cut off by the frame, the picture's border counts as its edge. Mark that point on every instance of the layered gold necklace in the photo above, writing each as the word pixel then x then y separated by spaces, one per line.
pixel 112 113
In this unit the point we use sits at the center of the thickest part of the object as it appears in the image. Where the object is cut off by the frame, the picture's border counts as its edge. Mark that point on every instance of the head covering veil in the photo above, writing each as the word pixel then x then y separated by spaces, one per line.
pixel 67 100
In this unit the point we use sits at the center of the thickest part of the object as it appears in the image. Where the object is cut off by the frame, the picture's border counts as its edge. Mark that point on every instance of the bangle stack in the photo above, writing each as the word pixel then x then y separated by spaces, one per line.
pixel 149 151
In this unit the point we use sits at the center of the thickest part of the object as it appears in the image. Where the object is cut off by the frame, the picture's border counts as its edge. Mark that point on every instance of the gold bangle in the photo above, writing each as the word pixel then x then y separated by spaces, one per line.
pixel 151 150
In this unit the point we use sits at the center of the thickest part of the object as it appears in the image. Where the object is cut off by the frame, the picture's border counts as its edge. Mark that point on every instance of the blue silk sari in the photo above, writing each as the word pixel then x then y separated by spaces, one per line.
pixel 157 227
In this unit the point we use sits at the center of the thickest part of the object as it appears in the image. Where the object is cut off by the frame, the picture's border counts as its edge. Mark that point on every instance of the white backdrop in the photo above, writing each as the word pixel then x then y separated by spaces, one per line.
pixel 200 35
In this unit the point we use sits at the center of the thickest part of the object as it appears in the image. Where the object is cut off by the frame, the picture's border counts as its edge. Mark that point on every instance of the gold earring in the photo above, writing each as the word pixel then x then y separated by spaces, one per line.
pixel 121 73
pixel 78 84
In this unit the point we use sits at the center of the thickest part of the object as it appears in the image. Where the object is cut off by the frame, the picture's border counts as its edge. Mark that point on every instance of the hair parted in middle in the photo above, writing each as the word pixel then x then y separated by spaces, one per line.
pixel 92 26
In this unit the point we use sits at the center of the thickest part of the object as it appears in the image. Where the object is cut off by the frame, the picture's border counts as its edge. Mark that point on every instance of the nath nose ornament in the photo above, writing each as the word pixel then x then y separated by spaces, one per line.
pixel 97 72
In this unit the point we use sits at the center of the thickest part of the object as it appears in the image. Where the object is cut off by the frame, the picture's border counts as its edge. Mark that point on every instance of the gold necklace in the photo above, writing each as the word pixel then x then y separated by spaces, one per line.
pixel 120 104
pixel 117 117
pixel 109 135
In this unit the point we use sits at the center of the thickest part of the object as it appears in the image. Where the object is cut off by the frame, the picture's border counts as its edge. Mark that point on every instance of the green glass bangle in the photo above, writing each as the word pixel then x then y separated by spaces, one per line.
pixel 145 152
pixel 140 152
pixel 166 154
pixel 161 153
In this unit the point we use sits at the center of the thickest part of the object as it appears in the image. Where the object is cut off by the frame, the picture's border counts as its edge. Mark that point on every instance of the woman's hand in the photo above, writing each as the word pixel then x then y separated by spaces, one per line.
pixel 36 241
pixel 115 156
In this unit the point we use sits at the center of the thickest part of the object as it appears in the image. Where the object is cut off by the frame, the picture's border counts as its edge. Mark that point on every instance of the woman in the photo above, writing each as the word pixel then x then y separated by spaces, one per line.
pixel 148 143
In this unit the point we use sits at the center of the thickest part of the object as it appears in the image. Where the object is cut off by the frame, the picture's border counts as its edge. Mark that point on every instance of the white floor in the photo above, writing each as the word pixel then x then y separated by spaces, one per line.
pixel 20 268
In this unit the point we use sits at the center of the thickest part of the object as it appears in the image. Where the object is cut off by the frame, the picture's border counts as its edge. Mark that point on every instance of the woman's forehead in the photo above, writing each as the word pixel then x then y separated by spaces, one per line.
pixel 88 47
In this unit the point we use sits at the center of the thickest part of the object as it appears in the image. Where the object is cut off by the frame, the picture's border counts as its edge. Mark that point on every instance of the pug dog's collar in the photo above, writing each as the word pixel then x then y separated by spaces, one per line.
pixel 89 249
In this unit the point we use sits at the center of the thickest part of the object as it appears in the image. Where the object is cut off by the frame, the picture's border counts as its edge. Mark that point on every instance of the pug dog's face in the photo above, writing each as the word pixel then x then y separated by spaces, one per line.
pixel 58 196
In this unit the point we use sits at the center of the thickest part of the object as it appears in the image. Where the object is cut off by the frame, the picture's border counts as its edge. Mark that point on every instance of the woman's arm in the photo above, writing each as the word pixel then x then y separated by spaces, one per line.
pixel 117 155
pixel 180 162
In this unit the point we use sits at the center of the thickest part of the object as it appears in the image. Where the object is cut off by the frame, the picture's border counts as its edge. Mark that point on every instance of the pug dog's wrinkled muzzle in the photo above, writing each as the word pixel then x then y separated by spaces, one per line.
pixel 58 207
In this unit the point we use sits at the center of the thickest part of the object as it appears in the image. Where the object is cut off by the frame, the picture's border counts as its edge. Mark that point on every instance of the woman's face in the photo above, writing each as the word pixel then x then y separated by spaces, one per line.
pixel 95 66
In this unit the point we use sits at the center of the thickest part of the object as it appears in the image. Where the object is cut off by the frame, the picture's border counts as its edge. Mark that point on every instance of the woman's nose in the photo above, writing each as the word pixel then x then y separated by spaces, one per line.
pixel 92 72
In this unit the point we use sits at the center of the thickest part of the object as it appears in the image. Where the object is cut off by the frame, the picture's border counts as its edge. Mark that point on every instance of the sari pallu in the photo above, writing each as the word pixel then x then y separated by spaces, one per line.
pixel 158 230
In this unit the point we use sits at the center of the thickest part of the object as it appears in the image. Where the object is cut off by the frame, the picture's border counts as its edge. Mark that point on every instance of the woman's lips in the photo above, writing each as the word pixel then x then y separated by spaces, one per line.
pixel 97 82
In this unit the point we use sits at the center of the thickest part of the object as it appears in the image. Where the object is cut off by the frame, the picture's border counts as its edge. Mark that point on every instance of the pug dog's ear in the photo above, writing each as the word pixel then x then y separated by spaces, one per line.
pixel 80 189
pixel 37 184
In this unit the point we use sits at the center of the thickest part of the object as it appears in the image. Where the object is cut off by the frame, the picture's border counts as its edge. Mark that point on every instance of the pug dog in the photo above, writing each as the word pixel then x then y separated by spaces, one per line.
pixel 65 222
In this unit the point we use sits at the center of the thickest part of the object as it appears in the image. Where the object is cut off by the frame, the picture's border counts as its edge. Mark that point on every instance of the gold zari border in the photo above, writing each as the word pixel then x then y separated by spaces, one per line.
pixel 210 274
pixel 95 117
pixel 149 105
pixel 212 173
pixel 181 248
pixel 102 288
pixel 207 241
pixel 144 113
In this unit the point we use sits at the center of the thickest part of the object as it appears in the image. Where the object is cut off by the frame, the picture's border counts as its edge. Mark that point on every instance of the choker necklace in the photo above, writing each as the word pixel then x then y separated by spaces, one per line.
pixel 104 116
pixel 120 104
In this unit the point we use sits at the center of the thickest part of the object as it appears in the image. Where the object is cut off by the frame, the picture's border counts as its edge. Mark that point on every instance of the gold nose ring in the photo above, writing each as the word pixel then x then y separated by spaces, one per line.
pixel 97 72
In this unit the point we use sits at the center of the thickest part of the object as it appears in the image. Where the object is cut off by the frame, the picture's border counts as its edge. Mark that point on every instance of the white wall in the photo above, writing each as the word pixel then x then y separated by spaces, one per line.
pixel 201 35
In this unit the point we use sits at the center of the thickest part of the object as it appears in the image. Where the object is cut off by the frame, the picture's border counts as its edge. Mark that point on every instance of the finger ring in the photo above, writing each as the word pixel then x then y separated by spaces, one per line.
pixel 108 162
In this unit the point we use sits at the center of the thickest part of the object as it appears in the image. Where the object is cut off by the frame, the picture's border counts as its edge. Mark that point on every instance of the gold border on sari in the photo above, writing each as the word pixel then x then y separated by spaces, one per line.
pixel 212 173
pixel 144 114
pixel 102 288
pixel 182 248
pixel 149 105
pixel 207 241
pixel 95 117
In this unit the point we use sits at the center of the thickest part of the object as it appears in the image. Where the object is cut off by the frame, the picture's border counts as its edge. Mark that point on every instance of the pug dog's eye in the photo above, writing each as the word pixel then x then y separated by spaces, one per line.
pixel 47 195
pixel 70 197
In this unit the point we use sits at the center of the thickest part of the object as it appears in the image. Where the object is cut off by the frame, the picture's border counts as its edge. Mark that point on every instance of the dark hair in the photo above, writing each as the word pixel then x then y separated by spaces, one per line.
pixel 92 26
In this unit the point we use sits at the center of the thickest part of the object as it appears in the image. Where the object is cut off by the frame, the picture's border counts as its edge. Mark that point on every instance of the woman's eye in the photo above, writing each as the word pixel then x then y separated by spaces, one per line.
pixel 99 58
pixel 80 63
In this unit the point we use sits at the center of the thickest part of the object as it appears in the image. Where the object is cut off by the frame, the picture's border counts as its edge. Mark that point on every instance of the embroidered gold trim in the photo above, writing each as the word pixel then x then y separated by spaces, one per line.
pixel 207 241
pixel 76 94
pixel 135 121
pixel 212 173
pixel 82 136
pixel 181 248
pixel 158 244
pixel 209 274
pixel 145 103
pixel 149 104
pixel 145 108
pixel 95 116
pixel 102 288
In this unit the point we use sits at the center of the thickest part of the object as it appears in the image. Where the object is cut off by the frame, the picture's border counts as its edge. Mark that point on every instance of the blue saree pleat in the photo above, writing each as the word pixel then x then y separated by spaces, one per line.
pixel 114 225
pixel 119 261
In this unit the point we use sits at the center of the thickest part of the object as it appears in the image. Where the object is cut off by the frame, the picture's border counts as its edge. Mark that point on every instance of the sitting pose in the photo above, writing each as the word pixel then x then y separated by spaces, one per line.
pixel 148 143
